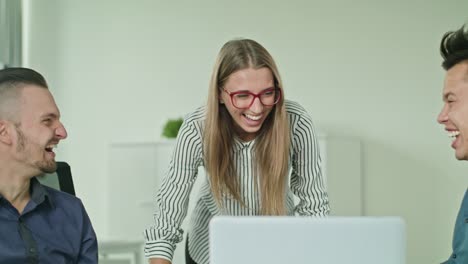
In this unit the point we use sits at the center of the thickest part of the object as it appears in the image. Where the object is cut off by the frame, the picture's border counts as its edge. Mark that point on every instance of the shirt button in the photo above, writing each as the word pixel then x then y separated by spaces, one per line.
pixel 32 250
pixel 454 256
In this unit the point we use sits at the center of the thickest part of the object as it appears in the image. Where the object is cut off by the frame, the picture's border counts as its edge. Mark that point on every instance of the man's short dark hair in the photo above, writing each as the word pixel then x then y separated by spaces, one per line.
pixel 12 81
pixel 454 47
pixel 21 76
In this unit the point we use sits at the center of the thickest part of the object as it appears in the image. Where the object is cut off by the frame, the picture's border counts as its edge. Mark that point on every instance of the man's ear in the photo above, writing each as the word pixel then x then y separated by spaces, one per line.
pixel 5 135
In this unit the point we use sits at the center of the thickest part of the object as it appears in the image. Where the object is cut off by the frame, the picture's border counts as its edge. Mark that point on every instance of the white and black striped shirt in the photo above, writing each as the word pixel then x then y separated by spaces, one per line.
pixel 172 200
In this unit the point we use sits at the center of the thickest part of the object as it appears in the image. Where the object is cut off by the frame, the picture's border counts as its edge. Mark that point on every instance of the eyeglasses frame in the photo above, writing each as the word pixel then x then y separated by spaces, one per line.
pixel 232 94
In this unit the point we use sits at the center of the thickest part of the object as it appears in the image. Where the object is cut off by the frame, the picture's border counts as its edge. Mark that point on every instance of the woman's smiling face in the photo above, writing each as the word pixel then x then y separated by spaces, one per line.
pixel 248 121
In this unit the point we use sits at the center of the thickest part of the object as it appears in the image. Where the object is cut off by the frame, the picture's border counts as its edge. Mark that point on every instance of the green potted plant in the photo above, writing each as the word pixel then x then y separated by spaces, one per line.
pixel 171 128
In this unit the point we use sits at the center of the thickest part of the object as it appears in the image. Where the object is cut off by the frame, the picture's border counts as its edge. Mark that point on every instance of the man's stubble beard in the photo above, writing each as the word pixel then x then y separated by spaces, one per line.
pixel 45 166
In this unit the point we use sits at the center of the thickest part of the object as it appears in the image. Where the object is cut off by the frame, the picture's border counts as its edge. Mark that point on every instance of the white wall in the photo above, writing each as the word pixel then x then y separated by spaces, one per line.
pixel 364 69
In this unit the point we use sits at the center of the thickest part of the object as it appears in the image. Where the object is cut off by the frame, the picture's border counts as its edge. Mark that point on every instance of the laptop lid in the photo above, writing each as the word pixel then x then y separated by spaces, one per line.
pixel 306 240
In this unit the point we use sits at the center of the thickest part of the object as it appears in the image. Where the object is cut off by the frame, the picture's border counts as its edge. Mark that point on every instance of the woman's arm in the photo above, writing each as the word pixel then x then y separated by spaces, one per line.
pixel 173 196
pixel 159 261
pixel 306 179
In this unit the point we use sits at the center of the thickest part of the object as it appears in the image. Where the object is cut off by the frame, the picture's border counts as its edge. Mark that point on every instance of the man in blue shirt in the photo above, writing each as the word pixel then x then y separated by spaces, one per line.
pixel 37 224
pixel 454 116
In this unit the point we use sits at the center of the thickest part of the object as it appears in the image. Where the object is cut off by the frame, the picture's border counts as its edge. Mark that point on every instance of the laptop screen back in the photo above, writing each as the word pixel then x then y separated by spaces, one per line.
pixel 301 240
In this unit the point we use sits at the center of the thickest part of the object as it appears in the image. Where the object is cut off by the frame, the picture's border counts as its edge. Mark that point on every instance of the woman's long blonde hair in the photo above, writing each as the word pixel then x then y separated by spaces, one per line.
pixel 271 149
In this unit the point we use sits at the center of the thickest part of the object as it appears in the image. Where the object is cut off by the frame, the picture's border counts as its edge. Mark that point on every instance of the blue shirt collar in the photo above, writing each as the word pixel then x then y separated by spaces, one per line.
pixel 39 193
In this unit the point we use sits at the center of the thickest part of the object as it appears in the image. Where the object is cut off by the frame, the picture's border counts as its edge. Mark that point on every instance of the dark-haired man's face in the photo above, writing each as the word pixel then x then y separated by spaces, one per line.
pixel 39 130
pixel 454 114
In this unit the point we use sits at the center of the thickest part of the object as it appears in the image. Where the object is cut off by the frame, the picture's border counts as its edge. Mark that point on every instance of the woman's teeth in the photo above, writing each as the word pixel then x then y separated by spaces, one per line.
pixel 255 118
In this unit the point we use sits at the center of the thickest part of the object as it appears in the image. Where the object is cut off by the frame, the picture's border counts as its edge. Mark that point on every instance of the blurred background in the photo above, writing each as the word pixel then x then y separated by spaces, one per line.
pixel 367 70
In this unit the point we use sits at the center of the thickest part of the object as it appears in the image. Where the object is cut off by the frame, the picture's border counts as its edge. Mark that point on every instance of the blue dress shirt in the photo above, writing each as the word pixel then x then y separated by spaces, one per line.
pixel 460 236
pixel 53 228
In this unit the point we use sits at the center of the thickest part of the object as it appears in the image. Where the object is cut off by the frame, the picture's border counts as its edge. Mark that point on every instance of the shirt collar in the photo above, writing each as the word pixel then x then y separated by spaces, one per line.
pixel 240 145
pixel 39 193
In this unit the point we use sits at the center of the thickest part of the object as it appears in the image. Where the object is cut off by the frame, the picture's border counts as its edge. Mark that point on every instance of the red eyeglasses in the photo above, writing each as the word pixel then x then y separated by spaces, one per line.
pixel 245 99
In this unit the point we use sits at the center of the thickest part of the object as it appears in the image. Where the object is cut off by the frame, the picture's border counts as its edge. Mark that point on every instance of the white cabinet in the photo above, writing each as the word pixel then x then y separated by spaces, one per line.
pixel 121 252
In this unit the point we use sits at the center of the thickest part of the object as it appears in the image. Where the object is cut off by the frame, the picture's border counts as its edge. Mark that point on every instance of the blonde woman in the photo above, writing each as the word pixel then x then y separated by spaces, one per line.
pixel 248 138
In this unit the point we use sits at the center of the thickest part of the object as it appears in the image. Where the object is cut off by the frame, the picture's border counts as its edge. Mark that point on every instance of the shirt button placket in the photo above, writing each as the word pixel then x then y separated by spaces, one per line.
pixel 29 241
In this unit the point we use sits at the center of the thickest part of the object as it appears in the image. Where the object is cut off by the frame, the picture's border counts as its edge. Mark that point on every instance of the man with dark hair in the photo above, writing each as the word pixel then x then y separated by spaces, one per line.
pixel 454 116
pixel 38 224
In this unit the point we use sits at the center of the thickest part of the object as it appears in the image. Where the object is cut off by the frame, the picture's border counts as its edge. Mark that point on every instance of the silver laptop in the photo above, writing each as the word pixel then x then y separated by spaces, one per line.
pixel 301 240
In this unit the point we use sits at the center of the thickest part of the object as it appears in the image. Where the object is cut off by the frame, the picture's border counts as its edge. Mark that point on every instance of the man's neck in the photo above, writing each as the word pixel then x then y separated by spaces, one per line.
pixel 14 187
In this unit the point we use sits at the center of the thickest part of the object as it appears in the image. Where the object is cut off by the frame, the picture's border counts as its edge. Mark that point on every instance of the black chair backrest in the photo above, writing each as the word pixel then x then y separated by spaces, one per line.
pixel 65 177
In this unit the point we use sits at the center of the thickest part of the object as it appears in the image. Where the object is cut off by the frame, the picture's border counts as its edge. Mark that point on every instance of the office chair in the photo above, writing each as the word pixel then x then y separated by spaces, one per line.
pixel 61 179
